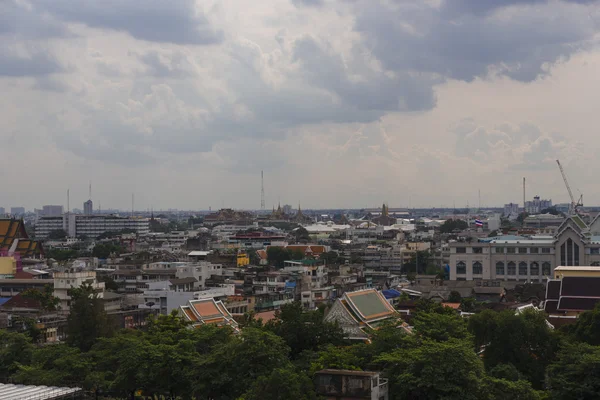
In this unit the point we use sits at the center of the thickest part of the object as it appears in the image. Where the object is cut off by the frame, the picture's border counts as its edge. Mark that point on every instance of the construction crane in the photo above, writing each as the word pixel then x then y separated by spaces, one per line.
pixel 574 208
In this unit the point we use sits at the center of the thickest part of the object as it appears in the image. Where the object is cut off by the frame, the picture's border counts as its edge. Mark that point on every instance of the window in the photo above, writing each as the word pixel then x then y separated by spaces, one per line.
pixel 523 268
pixel 461 268
pixel 595 250
pixel 510 250
pixel 477 268
pixel 546 269
pixel 545 250
pixel 461 250
pixel 522 250
pixel 512 268
pixel 534 269
pixel 499 249
pixel 534 250
pixel 477 250
pixel 500 268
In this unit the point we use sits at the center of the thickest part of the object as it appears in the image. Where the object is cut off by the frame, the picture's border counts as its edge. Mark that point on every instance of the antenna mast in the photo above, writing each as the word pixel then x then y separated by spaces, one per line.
pixel 524 209
pixel 68 202
pixel 132 200
pixel 262 190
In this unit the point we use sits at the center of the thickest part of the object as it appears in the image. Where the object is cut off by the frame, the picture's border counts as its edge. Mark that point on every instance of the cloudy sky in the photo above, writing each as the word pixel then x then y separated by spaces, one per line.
pixel 342 103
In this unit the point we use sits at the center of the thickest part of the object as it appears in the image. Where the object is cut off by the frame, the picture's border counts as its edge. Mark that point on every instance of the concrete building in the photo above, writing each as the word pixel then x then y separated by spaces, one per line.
pixel 537 205
pixel 2 211
pixel 51 211
pixel 90 226
pixel 511 209
pixel 334 384
pixel 88 207
pixel 17 211
pixel 65 281
pixel 526 259
pixel 543 221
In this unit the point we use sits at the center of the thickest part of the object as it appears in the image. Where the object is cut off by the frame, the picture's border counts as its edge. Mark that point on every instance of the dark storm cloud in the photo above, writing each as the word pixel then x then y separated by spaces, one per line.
pixel 174 21
pixel 376 91
pixel 17 19
pixel 38 63
pixel 454 42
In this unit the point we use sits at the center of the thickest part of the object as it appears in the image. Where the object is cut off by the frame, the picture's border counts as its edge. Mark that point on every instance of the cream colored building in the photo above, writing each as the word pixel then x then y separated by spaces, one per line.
pixel 527 259
pixel 64 281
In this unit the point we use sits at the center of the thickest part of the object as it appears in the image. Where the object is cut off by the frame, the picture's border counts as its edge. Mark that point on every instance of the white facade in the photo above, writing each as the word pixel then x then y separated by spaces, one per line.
pixel 90 225
pixel 64 281
pixel 202 271
pixel 527 259
pixel 160 297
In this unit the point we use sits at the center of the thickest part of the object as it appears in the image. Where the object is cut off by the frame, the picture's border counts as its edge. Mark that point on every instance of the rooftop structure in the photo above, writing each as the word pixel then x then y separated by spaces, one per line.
pixel 14 238
pixel 208 311
pixel 573 290
pixel 24 392
pixel 359 310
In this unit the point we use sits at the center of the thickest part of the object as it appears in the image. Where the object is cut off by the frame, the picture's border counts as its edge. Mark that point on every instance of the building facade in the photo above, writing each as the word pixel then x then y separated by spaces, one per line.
pixel 65 281
pixel 90 225
pixel 526 259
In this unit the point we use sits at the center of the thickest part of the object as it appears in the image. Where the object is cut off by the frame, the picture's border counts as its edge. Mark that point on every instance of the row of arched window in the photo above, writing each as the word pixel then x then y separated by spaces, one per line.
pixel 510 268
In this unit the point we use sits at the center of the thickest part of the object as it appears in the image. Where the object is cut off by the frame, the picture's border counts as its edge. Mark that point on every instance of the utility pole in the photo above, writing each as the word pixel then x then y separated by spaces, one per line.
pixel 262 190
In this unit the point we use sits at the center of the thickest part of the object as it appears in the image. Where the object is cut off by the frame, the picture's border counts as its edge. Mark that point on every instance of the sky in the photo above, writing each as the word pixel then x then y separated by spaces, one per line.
pixel 342 103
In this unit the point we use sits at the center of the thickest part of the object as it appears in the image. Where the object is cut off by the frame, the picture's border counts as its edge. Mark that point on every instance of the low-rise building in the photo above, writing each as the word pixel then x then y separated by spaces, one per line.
pixel 208 311
pixel 65 281
pixel 339 384
pixel 572 291
pixel 91 226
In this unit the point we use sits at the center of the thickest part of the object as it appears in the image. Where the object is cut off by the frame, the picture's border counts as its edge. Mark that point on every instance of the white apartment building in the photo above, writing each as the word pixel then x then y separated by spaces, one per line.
pixel 161 296
pixel 64 281
pixel 527 259
pixel 90 225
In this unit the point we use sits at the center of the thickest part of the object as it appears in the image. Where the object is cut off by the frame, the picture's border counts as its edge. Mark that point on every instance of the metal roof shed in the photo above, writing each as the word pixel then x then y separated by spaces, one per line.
pixel 30 392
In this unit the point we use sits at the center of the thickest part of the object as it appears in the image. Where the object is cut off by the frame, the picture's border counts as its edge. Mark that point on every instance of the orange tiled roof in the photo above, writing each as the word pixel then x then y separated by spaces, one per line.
pixel 207 311
pixel 14 229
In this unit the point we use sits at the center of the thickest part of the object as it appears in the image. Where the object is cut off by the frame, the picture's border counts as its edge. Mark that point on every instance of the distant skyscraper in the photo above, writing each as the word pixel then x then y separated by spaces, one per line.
pixel 2 211
pixel 88 207
pixel 17 211
pixel 52 211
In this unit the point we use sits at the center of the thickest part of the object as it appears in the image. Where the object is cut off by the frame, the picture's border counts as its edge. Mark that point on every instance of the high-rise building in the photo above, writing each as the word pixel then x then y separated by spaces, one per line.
pixel 537 205
pixel 88 207
pixel 17 211
pixel 90 225
pixel 2 211
pixel 52 211
pixel 511 209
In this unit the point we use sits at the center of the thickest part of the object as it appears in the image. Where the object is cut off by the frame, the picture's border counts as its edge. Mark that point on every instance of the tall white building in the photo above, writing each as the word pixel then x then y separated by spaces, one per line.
pixel 88 207
pixel 537 205
pixel 64 281
pixel 90 225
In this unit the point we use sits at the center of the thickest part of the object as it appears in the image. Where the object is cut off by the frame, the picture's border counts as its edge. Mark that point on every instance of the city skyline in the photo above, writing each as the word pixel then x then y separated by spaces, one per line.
pixel 341 104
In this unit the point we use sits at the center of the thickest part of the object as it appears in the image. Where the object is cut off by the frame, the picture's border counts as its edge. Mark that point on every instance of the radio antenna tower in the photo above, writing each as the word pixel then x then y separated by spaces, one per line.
pixel 262 190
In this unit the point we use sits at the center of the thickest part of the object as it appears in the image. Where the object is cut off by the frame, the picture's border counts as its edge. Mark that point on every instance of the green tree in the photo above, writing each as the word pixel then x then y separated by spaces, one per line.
pixel 501 389
pixel 61 254
pixel 87 321
pixel 575 374
pixel 281 384
pixel 425 261
pixel 277 255
pixel 45 297
pixel 587 327
pixel 304 330
pixel 440 327
pixel 331 257
pixel 15 350
pixel 301 235
pixel 523 340
pixel 454 297
pixel 104 250
pixel 233 367
pixel 57 234
pixel 337 358
pixel 434 370
pixel 450 225
pixel 56 365
pixel 109 283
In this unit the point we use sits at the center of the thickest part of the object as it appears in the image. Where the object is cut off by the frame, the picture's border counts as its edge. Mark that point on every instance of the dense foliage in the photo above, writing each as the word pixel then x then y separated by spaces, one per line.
pixel 490 356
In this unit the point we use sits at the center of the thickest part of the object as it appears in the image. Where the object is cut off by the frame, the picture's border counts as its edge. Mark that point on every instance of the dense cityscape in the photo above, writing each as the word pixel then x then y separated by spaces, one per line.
pixel 299 200
pixel 367 303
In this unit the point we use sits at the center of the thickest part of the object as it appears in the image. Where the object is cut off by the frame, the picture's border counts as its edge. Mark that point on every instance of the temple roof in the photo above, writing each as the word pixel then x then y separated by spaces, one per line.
pixel 14 229
pixel 208 311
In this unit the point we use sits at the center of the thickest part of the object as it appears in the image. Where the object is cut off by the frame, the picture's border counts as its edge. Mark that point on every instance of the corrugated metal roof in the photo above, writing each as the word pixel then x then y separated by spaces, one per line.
pixel 29 392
